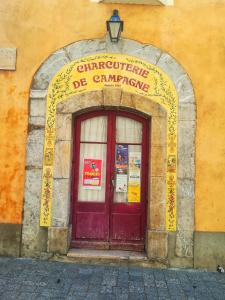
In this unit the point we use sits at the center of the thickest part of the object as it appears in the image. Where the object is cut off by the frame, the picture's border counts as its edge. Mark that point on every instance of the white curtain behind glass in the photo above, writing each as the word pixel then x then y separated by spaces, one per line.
pixel 93 130
pixel 128 131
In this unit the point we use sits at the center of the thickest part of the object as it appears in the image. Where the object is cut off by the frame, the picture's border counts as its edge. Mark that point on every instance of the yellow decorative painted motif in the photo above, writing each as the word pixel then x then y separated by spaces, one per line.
pixel 93 73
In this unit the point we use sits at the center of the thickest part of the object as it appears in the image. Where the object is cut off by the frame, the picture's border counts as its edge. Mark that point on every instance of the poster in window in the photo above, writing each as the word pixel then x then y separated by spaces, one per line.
pixel 134 193
pixel 134 179
pixel 121 168
pixel 92 174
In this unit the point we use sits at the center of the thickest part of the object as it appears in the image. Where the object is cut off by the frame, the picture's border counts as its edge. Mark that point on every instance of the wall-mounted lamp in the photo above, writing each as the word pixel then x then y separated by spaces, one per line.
pixel 114 26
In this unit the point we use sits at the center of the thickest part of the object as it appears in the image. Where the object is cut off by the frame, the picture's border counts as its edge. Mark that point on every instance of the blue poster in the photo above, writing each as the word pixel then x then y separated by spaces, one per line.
pixel 121 159
pixel 121 168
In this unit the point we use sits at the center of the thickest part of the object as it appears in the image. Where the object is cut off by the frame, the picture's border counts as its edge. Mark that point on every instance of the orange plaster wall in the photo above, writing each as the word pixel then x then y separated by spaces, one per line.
pixel 191 31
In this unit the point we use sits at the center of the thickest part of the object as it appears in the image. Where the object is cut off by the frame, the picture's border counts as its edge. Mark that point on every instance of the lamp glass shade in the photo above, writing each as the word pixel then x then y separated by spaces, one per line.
pixel 114 28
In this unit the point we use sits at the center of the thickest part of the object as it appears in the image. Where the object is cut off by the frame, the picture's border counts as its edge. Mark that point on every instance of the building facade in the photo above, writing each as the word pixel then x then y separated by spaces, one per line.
pixel 113 145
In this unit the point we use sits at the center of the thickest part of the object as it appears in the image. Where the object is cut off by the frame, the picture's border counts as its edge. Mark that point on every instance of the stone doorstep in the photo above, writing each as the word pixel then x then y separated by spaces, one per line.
pixel 108 257
pixel 107 254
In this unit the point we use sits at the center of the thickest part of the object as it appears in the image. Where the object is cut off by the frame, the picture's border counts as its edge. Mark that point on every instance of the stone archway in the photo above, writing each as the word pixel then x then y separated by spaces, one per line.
pixel 117 99
pixel 176 246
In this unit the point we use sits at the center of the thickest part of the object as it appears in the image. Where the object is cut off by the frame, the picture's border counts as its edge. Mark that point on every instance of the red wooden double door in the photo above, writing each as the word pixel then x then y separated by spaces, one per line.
pixel 109 185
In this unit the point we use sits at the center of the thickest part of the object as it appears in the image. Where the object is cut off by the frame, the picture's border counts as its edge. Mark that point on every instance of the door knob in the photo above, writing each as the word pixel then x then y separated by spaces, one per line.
pixel 113 183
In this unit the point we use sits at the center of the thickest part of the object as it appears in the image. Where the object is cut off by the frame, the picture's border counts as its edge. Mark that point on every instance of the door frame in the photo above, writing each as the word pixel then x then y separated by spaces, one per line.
pixel 111 113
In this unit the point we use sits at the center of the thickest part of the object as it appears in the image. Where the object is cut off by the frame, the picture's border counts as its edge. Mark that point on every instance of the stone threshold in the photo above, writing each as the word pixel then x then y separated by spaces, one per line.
pixel 109 257
pixel 108 254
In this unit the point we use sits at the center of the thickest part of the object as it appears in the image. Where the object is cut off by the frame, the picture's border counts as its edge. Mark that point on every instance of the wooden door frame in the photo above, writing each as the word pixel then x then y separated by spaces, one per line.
pixel 110 158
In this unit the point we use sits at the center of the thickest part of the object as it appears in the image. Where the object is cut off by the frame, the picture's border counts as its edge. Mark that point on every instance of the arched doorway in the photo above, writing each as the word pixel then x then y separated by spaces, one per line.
pixel 110 178
pixel 174 246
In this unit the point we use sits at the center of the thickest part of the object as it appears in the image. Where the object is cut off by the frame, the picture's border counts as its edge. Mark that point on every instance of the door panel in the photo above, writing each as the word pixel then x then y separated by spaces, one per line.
pixel 91 225
pixel 109 211
pixel 126 227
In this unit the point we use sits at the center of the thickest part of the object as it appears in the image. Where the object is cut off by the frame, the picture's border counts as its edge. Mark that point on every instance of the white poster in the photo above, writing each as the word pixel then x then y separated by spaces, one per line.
pixel 121 183
pixel 134 167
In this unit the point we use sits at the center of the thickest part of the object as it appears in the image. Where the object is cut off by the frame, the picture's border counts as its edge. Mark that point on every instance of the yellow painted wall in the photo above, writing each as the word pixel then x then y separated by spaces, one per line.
pixel 192 31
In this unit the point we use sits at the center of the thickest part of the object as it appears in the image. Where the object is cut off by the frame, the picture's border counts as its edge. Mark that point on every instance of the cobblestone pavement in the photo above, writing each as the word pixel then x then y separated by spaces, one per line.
pixel 31 279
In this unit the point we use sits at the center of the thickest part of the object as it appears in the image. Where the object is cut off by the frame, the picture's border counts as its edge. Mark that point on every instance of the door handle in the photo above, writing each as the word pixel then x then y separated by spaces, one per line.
pixel 112 183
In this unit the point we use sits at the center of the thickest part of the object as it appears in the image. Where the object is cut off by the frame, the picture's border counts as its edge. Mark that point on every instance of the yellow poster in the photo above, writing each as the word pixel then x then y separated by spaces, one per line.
pixel 134 193
pixel 134 179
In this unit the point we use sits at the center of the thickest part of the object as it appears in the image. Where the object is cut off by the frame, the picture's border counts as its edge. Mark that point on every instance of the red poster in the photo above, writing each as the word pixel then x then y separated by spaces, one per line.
pixel 92 174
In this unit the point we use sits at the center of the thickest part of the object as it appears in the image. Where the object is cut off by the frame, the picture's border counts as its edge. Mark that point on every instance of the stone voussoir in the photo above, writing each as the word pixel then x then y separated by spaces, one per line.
pixel 185 89
pixel 149 53
pixel 83 48
pixel 48 69
pixel 79 102
pixel 171 67
pixel 187 112
pixel 131 47
pixel 112 96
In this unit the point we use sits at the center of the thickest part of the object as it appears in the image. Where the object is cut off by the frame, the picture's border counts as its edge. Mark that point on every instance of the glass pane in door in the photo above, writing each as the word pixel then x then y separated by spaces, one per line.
pixel 92 165
pixel 128 154
pixel 94 130
pixel 128 130
pixel 92 175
